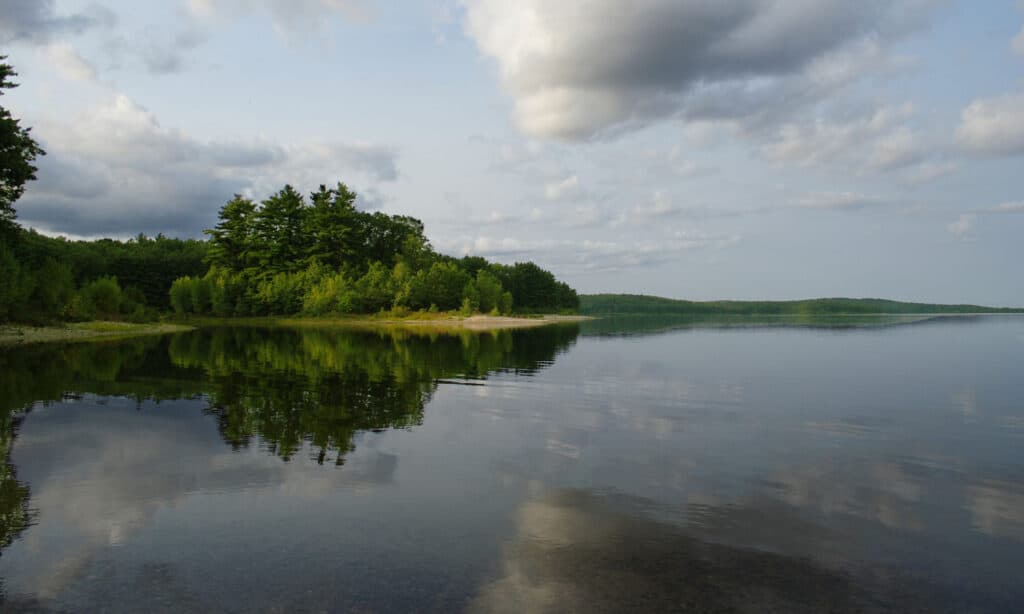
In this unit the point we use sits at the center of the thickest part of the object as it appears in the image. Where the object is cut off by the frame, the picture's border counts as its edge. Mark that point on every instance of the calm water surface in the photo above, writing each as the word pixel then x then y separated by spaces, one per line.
pixel 610 466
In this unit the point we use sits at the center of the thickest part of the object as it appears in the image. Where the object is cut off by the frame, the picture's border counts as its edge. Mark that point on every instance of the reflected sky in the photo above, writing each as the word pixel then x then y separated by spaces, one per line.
pixel 726 469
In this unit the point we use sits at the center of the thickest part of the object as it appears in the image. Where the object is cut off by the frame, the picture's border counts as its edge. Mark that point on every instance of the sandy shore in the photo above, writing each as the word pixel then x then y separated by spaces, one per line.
pixel 84 331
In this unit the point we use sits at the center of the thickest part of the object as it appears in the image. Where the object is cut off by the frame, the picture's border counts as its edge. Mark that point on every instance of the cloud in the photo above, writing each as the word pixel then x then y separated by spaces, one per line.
pixel 117 170
pixel 661 206
pixel 554 190
pixel 36 21
pixel 993 126
pixel 878 140
pixel 1018 42
pixel 70 63
pixel 290 17
pixel 569 255
pixel 840 201
pixel 579 69
pixel 1008 207
pixel 962 226
pixel 928 171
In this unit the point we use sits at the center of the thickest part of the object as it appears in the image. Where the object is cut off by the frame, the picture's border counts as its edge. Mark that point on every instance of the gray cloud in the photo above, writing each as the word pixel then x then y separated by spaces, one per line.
pixel 36 21
pixel 623 65
pixel 116 170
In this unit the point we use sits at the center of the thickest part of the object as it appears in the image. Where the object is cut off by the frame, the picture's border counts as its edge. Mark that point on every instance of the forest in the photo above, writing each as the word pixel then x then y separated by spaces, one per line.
pixel 281 256
pixel 286 255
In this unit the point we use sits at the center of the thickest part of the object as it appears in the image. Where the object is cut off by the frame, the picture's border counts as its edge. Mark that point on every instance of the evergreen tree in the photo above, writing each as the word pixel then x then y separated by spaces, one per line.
pixel 231 238
pixel 278 242
pixel 331 226
pixel 17 151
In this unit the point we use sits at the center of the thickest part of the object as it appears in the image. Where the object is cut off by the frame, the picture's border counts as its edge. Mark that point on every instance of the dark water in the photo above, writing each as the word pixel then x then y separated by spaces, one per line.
pixel 612 466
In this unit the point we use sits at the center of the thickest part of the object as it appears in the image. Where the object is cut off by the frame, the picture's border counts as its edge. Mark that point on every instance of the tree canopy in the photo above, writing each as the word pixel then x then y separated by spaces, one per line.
pixel 17 152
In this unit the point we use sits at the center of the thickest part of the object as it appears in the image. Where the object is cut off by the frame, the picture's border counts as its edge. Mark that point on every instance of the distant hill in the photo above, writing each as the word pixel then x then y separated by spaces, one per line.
pixel 634 304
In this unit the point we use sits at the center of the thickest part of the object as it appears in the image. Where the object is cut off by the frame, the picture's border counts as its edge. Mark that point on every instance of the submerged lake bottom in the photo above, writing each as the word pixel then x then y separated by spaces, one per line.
pixel 617 465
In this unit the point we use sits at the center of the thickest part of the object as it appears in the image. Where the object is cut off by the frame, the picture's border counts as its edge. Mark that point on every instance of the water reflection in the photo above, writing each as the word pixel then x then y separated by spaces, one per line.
pixel 590 551
pixel 627 325
pixel 705 469
pixel 323 386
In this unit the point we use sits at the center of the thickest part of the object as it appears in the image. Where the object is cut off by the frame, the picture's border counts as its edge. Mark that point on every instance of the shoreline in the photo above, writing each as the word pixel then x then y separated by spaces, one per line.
pixel 17 335
pixel 443 322
pixel 12 335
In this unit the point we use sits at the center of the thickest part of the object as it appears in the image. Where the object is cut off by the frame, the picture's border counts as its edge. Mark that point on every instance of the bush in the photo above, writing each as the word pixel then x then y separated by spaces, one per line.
pixel 101 298
pixel 181 295
pixel 332 294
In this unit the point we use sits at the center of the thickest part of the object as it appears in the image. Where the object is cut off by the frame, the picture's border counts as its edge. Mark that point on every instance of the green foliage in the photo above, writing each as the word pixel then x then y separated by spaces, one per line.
pixel 281 294
pixel 53 290
pixel 16 286
pixel 17 152
pixel 376 290
pixel 181 295
pixel 331 226
pixel 231 239
pixel 101 299
pixel 534 289
pixel 277 245
pixel 489 293
pixel 439 287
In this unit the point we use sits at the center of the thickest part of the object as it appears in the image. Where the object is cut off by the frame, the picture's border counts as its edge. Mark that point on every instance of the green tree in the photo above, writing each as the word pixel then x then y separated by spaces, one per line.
pixel 331 226
pixel 489 291
pixel 440 286
pixel 231 238
pixel 17 152
pixel 278 243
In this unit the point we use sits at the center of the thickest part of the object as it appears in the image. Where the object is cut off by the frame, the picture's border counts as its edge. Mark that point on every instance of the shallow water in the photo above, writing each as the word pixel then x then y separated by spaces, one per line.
pixel 616 465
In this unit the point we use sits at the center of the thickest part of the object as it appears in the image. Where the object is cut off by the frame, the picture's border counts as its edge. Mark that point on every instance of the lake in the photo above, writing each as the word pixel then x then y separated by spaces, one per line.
pixel 861 465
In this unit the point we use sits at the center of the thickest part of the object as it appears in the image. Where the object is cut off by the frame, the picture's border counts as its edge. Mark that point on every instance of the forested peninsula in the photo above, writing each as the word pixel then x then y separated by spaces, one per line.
pixel 286 255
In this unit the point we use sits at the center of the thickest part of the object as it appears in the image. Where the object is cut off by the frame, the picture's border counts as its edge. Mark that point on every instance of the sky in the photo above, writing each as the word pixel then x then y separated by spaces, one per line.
pixel 736 149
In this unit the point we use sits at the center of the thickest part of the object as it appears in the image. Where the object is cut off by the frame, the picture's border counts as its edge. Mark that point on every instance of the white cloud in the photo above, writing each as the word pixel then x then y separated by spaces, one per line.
pixel 70 63
pixel 579 68
pixel 993 126
pixel 962 226
pixel 877 140
pixel 554 190
pixel 290 17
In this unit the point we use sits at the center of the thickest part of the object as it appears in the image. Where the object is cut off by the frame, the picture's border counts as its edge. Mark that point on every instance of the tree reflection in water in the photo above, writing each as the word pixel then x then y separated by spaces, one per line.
pixel 285 387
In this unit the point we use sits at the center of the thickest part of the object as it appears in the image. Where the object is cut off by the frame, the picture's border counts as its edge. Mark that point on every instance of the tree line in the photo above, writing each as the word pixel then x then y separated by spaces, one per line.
pixel 289 255
pixel 633 304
